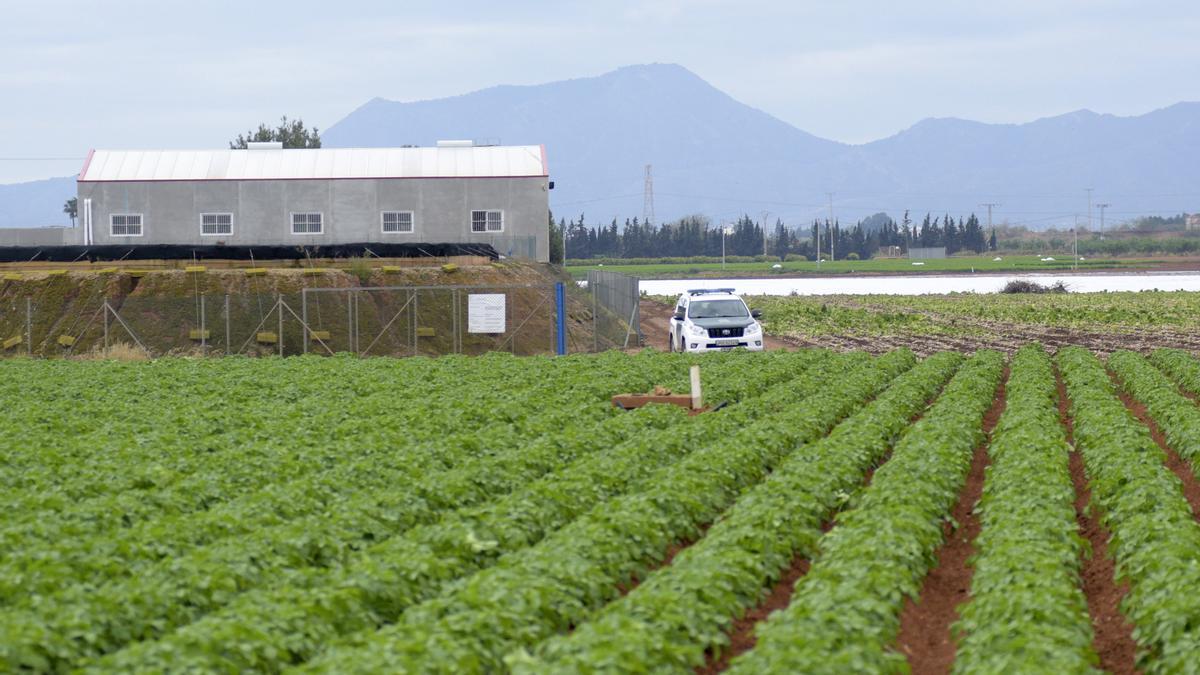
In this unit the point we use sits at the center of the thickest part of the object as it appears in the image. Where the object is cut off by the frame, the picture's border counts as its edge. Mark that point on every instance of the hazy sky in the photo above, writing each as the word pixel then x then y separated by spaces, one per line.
pixel 167 73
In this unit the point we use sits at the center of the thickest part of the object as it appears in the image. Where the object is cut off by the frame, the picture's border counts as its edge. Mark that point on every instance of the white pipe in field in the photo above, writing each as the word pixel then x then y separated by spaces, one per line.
pixel 697 397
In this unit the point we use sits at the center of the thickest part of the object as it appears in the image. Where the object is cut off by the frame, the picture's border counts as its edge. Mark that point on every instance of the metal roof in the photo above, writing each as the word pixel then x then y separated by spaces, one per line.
pixel 498 161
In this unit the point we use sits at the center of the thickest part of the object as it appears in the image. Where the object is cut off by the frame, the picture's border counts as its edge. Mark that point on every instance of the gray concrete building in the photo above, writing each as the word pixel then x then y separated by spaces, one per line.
pixel 453 193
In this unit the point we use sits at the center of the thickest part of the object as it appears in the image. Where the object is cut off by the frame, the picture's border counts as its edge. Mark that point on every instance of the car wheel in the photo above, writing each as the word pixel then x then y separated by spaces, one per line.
pixel 670 342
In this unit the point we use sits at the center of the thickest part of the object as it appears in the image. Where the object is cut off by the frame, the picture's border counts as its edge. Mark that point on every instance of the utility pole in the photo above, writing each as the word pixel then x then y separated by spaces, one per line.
pixel 990 206
pixel 818 224
pixel 1089 191
pixel 1102 207
pixel 832 236
pixel 724 233
pixel 1075 247
pixel 764 229
pixel 648 197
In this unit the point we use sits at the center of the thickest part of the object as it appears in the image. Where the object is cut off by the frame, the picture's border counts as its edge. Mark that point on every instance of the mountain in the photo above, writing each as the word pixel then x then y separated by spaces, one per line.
pixel 36 203
pixel 600 132
pixel 1142 164
pixel 712 154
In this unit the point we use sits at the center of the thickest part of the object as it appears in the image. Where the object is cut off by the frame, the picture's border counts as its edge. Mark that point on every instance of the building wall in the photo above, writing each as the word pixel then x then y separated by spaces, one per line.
pixel 40 236
pixel 351 208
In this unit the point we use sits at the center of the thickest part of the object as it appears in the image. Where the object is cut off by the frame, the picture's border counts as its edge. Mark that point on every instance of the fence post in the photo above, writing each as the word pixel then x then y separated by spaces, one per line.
pixel 203 335
pixel 228 331
pixel 28 326
pixel 595 321
pixel 304 317
pixel 106 310
pixel 279 309
pixel 560 313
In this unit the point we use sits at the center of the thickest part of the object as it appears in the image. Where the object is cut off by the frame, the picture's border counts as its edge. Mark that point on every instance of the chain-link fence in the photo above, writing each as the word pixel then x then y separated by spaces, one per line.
pixel 367 321
pixel 616 298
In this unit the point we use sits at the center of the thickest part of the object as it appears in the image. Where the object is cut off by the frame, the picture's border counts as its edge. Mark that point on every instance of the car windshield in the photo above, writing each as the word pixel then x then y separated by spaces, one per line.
pixel 713 309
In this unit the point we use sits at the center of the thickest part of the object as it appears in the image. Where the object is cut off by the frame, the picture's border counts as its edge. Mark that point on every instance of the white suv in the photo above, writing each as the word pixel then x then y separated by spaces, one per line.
pixel 711 319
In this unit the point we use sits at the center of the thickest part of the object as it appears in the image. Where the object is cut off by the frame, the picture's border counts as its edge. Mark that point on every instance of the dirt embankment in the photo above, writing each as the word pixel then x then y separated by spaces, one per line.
pixel 67 313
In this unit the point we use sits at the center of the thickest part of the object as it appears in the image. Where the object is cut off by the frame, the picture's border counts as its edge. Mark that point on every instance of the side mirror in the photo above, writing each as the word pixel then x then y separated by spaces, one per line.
pixel 678 315
pixel 756 314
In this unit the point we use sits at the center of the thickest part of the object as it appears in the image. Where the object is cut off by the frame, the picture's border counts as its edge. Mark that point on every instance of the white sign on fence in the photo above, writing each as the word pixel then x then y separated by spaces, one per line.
pixel 485 313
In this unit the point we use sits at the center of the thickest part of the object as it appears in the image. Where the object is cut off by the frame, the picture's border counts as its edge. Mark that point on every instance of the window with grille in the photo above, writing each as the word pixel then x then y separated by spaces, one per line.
pixel 216 223
pixel 487 221
pixel 307 223
pixel 125 224
pixel 397 222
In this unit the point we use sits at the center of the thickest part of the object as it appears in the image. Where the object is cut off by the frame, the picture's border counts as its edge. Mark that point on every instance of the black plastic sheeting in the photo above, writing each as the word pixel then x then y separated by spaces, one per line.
pixel 108 253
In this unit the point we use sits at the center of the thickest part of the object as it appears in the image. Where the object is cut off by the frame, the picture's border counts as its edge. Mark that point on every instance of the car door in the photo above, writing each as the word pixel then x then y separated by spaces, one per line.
pixel 677 324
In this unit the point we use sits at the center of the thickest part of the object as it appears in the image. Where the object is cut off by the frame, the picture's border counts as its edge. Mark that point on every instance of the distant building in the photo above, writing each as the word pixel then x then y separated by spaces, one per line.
pixel 456 192
pixel 927 253
pixel 1191 221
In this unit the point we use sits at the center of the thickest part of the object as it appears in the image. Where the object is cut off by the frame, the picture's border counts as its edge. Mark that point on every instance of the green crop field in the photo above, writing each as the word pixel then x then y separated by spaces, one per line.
pixel 497 514
pixel 1101 321
pixel 967 264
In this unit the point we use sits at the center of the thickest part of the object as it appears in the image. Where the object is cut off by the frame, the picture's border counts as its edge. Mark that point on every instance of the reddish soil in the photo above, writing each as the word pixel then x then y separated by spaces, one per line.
pixel 741 633
pixel 1177 465
pixel 656 320
pixel 1113 635
pixel 672 551
pixel 925 637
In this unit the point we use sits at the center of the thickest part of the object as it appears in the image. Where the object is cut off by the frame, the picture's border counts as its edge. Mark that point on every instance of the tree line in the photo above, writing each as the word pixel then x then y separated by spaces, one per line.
pixel 696 235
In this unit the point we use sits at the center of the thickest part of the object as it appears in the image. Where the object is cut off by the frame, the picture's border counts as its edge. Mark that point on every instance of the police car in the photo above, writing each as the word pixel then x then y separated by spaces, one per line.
pixel 712 319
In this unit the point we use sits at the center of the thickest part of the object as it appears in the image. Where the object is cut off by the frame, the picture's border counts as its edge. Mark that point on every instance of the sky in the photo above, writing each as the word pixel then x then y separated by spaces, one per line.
pixel 170 74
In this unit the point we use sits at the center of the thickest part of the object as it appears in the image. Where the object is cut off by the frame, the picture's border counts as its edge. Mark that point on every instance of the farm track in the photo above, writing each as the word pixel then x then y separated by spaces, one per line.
pixel 1177 465
pixel 1112 633
pixel 924 636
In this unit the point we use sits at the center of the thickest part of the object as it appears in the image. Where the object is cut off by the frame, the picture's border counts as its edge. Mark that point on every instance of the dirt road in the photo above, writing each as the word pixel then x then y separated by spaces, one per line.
pixel 656 319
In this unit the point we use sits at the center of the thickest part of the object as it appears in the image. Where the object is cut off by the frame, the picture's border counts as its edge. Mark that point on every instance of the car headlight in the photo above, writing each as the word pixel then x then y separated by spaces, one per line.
pixel 753 329
pixel 698 330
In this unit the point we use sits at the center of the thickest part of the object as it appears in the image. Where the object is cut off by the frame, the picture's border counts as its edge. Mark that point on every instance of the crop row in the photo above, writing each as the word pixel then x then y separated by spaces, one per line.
pixel 436 473
pixel 668 622
pixel 1155 538
pixel 845 612
pixel 550 587
pixel 349 588
pixel 1027 612
pixel 1175 415
pixel 1181 366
